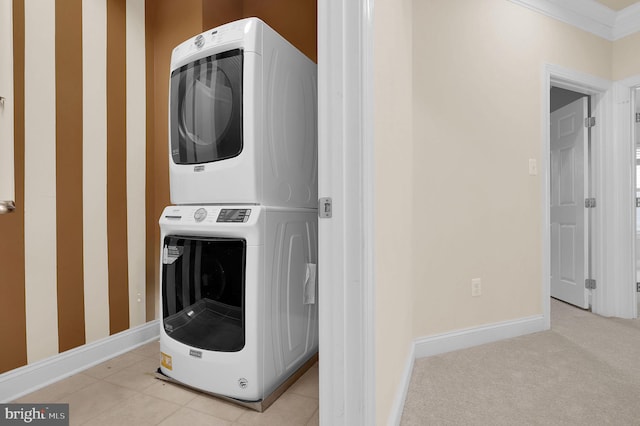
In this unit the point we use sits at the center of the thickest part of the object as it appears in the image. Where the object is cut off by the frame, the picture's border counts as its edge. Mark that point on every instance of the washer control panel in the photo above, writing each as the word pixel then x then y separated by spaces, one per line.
pixel 233 215
pixel 207 214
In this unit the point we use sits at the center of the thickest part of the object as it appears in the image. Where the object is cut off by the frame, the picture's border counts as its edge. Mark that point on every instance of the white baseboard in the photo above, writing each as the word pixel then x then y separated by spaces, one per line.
pixel 24 380
pixel 455 340
pixel 401 395
pixel 466 338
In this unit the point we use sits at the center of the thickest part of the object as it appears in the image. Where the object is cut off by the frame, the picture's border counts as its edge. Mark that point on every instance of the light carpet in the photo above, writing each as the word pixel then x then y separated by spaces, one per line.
pixel 584 371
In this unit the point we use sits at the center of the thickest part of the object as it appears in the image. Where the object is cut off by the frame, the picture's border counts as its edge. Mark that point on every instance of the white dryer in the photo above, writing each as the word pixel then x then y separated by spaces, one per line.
pixel 242 119
pixel 238 297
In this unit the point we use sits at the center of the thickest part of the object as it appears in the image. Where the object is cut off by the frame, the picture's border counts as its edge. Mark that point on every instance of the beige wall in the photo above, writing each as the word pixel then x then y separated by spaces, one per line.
pixel 394 197
pixel 477 120
pixel 626 57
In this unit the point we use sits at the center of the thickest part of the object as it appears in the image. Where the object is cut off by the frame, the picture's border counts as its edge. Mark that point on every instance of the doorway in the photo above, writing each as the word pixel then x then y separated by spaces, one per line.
pixel 571 202
pixel 613 220
pixel 600 95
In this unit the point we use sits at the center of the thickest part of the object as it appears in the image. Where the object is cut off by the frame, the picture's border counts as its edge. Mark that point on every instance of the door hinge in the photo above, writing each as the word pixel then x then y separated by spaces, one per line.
pixel 637 117
pixel 637 201
pixel 638 287
pixel 324 207
pixel 590 122
pixel 589 203
pixel 590 284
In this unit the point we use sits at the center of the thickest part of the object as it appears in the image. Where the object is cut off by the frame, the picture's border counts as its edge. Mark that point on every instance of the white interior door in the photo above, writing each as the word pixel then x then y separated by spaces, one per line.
pixel 569 139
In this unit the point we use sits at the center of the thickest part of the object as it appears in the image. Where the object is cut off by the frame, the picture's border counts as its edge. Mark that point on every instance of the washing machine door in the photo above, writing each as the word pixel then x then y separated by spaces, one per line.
pixel 203 282
pixel 206 109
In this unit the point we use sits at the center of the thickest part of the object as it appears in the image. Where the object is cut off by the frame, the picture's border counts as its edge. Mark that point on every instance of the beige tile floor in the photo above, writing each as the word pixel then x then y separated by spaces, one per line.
pixel 123 391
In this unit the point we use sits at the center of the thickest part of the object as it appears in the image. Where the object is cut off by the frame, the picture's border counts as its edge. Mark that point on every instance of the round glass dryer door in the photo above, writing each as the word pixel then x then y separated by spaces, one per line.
pixel 206 109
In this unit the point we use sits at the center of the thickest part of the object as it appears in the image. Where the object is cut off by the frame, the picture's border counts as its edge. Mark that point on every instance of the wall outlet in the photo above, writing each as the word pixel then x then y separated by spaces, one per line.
pixel 476 287
pixel 638 287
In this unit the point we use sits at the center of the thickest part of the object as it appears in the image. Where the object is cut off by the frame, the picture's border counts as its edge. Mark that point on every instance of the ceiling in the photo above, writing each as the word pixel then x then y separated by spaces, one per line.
pixel 617 4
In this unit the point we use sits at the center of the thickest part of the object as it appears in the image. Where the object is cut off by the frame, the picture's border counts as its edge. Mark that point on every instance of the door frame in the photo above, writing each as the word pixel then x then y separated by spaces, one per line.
pixel 624 301
pixel 599 90
pixel 613 186
pixel 346 240
pixel 7 145
pixel 635 102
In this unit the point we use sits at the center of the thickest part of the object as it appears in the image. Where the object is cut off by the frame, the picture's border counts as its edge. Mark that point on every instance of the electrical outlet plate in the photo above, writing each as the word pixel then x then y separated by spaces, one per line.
pixel 476 287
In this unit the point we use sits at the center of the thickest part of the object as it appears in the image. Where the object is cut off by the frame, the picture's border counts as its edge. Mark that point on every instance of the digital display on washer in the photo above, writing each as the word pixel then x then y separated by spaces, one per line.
pixel 233 215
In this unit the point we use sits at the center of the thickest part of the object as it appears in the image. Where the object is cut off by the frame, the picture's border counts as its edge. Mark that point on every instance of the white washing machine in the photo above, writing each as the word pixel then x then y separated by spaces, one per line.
pixel 242 119
pixel 238 294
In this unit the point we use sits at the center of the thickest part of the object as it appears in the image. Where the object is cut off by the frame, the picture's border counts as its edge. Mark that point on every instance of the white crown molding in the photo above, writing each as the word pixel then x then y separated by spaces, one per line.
pixel 627 22
pixel 589 15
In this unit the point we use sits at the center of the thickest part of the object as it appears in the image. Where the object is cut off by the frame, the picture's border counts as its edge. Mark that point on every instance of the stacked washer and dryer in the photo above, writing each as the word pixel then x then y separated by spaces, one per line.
pixel 239 243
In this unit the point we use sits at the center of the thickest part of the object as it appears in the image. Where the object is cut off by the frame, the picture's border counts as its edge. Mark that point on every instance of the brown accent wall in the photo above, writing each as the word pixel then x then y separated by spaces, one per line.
pixel 295 20
pixel 70 276
pixel 219 12
pixel 12 302
pixel 116 166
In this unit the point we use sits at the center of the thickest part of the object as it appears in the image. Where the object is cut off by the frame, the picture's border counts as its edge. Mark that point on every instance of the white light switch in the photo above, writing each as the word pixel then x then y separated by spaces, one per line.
pixel 533 167
pixel 476 287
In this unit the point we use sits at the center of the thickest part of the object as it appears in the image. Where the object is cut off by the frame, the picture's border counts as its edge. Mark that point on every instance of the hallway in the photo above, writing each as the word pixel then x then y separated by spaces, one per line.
pixel 584 371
